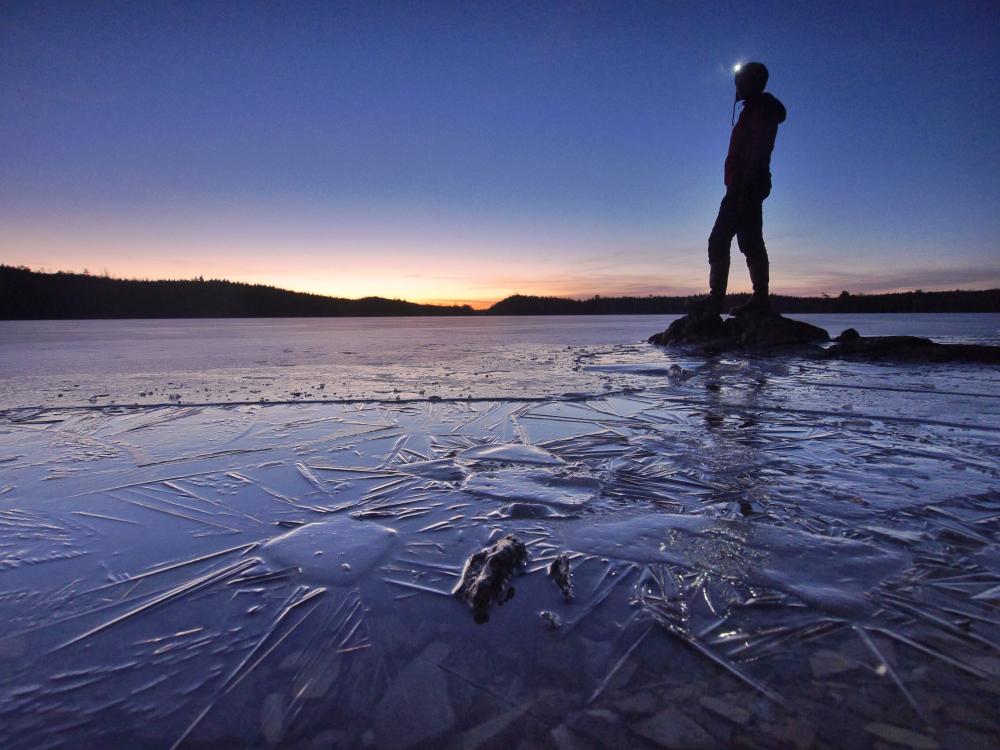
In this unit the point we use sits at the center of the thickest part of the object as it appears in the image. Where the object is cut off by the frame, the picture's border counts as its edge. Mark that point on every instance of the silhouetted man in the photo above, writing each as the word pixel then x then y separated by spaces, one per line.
pixel 748 183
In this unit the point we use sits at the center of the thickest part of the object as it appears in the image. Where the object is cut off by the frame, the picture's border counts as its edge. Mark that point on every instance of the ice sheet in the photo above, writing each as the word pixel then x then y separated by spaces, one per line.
pixel 774 553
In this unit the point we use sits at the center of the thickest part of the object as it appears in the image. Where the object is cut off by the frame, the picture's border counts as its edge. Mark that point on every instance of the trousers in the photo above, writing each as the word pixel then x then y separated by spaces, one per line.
pixel 745 220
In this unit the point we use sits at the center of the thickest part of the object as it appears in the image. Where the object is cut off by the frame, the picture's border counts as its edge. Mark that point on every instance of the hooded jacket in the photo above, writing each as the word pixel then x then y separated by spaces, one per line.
pixel 748 163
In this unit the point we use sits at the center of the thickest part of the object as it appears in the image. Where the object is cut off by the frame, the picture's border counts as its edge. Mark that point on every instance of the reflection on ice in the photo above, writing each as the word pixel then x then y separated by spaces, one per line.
pixel 783 556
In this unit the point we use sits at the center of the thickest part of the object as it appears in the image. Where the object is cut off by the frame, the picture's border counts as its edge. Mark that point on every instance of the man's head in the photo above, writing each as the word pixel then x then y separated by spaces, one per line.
pixel 751 78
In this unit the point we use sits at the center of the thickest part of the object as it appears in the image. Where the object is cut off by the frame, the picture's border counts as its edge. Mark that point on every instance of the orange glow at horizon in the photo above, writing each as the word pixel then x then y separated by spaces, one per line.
pixel 446 290
pixel 478 266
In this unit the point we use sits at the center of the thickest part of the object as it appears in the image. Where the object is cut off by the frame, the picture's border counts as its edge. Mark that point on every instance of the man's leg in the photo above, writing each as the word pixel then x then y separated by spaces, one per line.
pixel 750 238
pixel 719 243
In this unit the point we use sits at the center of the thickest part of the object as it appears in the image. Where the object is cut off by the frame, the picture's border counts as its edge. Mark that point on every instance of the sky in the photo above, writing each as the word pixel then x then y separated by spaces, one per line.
pixel 465 151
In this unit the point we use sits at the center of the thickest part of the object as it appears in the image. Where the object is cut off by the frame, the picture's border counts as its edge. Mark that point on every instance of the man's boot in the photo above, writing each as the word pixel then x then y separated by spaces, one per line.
pixel 760 300
pixel 718 279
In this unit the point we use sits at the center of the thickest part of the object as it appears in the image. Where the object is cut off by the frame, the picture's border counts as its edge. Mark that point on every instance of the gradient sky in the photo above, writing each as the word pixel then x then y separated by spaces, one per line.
pixel 465 151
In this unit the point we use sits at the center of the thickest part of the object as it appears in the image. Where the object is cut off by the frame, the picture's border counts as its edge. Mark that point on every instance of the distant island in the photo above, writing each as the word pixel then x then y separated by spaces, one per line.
pixel 33 295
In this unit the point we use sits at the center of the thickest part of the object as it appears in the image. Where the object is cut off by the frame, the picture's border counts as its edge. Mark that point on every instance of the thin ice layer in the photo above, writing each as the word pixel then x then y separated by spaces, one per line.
pixel 566 490
pixel 782 549
pixel 336 552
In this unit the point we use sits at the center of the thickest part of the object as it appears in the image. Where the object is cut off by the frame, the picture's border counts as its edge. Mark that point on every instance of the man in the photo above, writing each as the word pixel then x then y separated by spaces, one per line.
pixel 748 183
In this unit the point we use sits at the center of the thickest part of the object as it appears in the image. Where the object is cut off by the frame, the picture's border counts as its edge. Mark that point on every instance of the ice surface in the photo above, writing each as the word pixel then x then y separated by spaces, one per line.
pixel 338 552
pixel 149 362
pixel 510 454
pixel 776 553
pixel 548 488
pixel 443 469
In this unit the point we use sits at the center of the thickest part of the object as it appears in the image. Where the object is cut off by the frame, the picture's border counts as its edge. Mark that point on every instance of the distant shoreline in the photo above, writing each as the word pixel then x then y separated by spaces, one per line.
pixel 32 295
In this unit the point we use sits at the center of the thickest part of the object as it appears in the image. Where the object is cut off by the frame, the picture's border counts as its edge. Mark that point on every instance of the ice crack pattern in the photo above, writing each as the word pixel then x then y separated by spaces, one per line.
pixel 763 553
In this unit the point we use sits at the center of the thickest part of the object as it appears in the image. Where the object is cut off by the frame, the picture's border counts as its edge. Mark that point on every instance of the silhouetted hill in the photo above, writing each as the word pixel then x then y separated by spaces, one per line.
pixel 902 302
pixel 26 294
pixel 520 304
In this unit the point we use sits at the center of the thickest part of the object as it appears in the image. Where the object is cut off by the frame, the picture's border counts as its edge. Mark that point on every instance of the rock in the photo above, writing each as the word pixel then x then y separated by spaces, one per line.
pixel 529 510
pixel 416 707
pixel 909 349
pixel 900 736
pixel 763 331
pixel 962 738
pixel 670 728
pixel 638 703
pixel 486 576
pixel 486 734
pixel 551 619
pixel 694 328
pixel 967 715
pixel 709 334
pixel 750 331
pixel 600 725
pixel 565 738
pixel 560 573
pixel 825 663
pixel 676 372
pixel 726 709
pixel 799 732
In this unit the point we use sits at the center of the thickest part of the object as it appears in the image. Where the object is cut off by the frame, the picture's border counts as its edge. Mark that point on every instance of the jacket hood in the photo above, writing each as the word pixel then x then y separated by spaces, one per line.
pixel 768 106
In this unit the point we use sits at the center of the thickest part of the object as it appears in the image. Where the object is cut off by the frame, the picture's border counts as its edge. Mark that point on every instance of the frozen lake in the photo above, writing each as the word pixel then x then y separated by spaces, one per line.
pixel 201 361
pixel 197 551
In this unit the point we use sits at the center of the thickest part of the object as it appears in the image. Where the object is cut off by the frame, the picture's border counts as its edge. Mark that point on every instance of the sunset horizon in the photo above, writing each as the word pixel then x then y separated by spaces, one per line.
pixel 483 303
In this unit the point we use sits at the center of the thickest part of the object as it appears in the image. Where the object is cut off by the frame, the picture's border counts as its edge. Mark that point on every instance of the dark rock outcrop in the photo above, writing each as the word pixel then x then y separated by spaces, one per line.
pixel 486 576
pixel 770 330
pixel 694 328
pixel 709 333
pixel 560 573
pixel 851 345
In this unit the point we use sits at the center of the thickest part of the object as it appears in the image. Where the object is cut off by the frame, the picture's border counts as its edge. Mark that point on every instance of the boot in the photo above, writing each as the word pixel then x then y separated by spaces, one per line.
pixel 718 279
pixel 760 300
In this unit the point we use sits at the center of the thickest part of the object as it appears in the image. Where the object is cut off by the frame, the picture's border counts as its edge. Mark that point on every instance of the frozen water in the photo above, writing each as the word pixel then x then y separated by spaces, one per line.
pixel 510 454
pixel 546 487
pixel 338 552
pixel 249 360
pixel 777 553
pixel 443 469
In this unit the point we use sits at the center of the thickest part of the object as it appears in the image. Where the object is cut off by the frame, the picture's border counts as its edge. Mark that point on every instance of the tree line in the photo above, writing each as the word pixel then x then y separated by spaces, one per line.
pixel 33 295
pixel 30 295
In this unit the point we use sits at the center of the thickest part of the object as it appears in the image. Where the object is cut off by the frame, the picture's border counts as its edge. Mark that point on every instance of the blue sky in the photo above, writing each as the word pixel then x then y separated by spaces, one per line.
pixel 465 151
